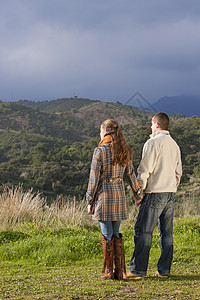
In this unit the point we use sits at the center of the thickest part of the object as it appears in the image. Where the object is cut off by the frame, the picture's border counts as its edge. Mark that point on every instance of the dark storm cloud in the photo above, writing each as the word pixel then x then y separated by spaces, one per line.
pixel 104 49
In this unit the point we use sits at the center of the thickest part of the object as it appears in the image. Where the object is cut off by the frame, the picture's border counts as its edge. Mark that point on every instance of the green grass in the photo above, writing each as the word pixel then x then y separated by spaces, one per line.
pixel 67 264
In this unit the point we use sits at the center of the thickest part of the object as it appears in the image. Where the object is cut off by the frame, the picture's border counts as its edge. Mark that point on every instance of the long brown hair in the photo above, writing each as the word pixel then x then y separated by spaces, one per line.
pixel 121 152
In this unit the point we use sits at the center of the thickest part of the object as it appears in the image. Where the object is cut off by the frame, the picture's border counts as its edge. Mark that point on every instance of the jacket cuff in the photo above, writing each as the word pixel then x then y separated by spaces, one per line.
pixel 139 194
pixel 89 199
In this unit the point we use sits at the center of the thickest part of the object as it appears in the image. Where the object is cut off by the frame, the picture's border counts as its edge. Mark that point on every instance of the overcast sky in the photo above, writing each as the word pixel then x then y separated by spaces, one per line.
pixel 99 49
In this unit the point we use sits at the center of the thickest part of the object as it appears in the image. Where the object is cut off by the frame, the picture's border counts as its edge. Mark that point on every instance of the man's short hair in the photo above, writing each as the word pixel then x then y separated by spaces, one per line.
pixel 162 119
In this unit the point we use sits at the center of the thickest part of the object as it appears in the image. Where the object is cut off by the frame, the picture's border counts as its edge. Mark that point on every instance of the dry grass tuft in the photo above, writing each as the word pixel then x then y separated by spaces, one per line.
pixel 187 204
pixel 66 211
pixel 25 208
pixel 18 206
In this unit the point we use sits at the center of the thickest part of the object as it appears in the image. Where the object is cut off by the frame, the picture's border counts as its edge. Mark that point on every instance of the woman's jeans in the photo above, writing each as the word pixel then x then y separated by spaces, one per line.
pixel 108 228
pixel 155 207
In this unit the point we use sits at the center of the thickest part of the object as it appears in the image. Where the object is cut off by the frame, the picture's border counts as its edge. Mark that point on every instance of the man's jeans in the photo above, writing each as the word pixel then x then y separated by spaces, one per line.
pixel 108 228
pixel 155 207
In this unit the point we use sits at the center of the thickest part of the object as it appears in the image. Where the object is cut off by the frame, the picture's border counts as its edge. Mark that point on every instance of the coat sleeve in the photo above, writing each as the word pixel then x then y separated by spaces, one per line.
pixel 147 164
pixel 178 169
pixel 94 176
pixel 137 190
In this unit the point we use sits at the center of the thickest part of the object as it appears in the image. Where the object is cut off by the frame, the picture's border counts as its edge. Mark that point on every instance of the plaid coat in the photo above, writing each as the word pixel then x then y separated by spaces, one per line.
pixel 106 187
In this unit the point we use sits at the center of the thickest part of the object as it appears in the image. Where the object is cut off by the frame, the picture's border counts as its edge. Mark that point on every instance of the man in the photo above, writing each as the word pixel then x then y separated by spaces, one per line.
pixel 159 174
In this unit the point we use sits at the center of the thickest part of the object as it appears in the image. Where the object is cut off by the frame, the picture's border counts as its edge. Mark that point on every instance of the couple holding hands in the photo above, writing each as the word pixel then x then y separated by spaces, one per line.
pixel 154 189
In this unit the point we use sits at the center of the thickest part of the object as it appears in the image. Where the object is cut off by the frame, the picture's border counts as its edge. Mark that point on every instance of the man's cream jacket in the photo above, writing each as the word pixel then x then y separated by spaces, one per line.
pixel 160 169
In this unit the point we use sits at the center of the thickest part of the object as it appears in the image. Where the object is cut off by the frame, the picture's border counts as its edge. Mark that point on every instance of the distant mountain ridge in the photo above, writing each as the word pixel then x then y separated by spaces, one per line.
pixel 183 105
pixel 59 105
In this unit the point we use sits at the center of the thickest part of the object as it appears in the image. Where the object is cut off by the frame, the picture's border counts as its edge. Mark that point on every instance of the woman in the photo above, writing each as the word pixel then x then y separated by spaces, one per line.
pixel 106 193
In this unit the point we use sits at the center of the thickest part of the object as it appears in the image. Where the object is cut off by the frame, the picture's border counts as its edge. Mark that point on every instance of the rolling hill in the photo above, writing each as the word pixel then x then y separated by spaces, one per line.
pixel 49 147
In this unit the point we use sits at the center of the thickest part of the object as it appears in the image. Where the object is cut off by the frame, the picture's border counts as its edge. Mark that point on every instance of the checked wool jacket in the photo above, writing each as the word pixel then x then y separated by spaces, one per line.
pixel 106 189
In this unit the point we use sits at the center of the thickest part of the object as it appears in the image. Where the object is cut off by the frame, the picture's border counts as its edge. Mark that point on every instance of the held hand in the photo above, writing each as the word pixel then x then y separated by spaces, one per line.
pixel 137 202
pixel 90 209
pixel 141 195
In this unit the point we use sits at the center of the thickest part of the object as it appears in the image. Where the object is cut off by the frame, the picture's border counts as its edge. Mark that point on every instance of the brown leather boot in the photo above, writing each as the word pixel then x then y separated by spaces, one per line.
pixel 108 258
pixel 119 257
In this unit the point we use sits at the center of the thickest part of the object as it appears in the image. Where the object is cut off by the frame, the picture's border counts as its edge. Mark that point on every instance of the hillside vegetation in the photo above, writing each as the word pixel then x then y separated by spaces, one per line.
pixel 48 146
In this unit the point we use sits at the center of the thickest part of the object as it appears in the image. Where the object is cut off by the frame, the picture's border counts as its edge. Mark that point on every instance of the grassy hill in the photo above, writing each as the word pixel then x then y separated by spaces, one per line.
pixel 49 145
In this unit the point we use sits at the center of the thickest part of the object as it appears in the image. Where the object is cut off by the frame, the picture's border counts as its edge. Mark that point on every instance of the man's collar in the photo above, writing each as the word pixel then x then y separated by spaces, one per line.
pixel 166 132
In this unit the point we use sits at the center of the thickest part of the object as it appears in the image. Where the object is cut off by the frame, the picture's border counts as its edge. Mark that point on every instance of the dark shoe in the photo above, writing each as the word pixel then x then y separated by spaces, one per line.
pixel 119 257
pixel 160 275
pixel 108 247
pixel 132 276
